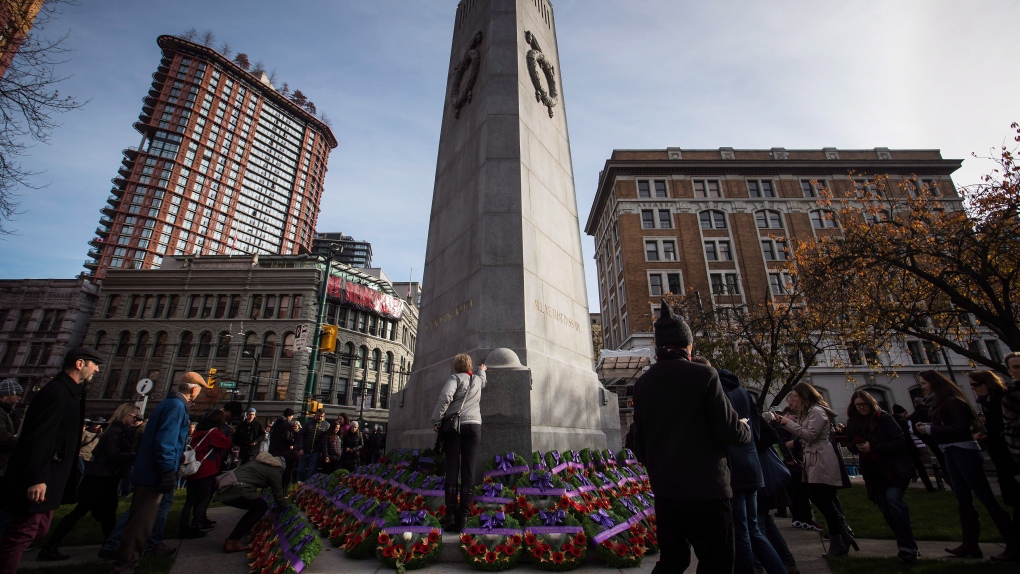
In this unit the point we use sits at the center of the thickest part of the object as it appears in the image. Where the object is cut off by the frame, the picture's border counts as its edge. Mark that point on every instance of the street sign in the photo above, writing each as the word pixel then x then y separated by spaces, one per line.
pixel 228 384
pixel 301 336
pixel 144 386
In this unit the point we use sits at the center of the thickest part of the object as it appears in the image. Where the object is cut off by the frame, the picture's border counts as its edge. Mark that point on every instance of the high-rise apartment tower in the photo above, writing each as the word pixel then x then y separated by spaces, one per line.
pixel 227 165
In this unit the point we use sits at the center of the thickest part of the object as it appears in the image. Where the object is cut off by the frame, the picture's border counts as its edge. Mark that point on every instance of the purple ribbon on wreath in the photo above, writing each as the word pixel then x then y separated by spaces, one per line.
pixel 611 455
pixel 629 505
pixel 413 476
pixel 556 457
pixel 602 519
pixel 490 521
pixel 301 543
pixel 505 462
pixel 552 517
pixel 583 480
pixel 577 457
pixel 411 518
pixel 601 476
pixel 540 480
pixel 491 489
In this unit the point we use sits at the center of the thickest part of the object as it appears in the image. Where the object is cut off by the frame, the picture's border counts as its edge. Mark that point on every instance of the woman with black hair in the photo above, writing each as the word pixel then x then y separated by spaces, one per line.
pixel 878 440
pixel 952 419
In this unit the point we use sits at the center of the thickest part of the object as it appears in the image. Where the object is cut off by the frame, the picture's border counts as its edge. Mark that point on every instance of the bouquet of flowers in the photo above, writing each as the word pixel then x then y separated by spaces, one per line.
pixel 410 538
pixel 555 541
pixel 508 465
pixel 491 542
pixel 490 496
pixel 613 540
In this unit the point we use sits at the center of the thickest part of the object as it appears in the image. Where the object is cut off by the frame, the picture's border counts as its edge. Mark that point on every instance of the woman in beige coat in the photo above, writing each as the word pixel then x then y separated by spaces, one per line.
pixel 811 421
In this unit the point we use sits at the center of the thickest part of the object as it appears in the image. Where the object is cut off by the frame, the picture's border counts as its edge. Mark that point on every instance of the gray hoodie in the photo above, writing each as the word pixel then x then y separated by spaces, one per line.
pixel 455 388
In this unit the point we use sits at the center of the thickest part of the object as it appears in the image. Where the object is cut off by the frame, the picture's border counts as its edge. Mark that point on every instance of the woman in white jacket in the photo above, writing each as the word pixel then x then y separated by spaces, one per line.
pixel 811 422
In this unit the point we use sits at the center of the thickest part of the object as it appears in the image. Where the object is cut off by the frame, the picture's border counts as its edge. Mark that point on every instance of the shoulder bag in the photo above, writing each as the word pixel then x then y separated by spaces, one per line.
pixel 451 420
pixel 191 464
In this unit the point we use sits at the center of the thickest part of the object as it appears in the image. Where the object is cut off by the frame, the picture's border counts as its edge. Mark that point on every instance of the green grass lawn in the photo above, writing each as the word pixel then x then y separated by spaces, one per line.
pixel 148 565
pixel 896 566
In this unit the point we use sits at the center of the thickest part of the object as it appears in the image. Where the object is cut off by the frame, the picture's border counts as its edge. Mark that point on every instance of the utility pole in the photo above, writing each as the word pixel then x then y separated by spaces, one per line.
pixel 314 360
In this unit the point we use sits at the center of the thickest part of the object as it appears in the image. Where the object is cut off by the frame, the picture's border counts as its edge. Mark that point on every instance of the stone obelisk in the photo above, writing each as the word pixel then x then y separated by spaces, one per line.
pixel 504 276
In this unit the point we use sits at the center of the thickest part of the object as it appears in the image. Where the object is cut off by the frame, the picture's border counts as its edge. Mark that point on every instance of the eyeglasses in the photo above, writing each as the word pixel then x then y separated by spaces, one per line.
pixel 859 405
pixel 976 385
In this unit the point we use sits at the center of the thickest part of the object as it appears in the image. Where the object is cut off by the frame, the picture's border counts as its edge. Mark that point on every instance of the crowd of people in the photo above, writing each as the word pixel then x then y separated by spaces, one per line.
pixel 716 475
pixel 51 455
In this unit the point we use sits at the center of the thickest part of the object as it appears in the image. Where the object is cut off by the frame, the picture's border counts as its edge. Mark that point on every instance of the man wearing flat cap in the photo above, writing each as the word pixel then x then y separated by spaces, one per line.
pixel 10 393
pixel 39 476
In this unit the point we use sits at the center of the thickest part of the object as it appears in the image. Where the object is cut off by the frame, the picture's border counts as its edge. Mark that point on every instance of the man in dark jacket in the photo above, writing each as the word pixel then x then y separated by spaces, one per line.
pixel 248 436
pixel 155 470
pixel 10 394
pixel 902 419
pixel 281 443
pixel 309 444
pixel 39 474
pixel 683 423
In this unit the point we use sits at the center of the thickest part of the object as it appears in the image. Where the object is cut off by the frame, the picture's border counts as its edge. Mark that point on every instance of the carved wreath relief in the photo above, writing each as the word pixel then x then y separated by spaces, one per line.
pixel 536 60
pixel 464 77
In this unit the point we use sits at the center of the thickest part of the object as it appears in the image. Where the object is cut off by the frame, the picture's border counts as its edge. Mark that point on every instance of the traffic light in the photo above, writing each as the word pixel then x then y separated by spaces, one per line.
pixel 314 406
pixel 211 379
pixel 327 343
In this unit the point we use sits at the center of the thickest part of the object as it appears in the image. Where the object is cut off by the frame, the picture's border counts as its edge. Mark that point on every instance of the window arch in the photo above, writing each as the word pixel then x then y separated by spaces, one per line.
pixel 184 348
pixel 388 365
pixel 881 397
pixel 123 343
pixel 823 219
pixel 251 340
pixel 287 351
pixel 879 216
pixel 345 360
pixel 269 344
pixel 100 336
pixel 223 344
pixel 374 363
pixel 712 219
pixel 768 219
pixel 142 344
pixel 159 347
pixel 362 355
pixel 204 343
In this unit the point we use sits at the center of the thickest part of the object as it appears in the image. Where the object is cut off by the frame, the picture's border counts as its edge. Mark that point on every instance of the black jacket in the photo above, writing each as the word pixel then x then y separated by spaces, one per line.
pixel 114 453
pixel 247 433
pixel 952 421
pixel 47 449
pixel 310 437
pixel 281 437
pixel 995 441
pixel 745 468
pixel 683 423
pixel 888 460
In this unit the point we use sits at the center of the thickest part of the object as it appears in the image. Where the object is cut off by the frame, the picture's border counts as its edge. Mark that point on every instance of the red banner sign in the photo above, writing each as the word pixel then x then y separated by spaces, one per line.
pixel 363 297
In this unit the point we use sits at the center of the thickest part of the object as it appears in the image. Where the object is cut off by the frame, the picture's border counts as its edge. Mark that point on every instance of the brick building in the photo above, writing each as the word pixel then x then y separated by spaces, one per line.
pixel 714 221
pixel 226 165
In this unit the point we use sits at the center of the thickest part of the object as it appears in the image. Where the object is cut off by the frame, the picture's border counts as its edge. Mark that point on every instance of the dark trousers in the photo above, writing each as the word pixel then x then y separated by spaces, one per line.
pixel 889 499
pixel 256 508
pixel 922 472
pixel 800 505
pixel 200 491
pixel 967 473
pixel 22 531
pixel 292 459
pixel 98 495
pixel 750 542
pixel 824 497
pixel 144 506
pixel 462 461
pixel 707 525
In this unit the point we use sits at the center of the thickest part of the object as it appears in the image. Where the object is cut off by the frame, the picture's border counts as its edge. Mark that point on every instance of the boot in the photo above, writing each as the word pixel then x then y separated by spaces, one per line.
pixel 837 547
pixel 450 523
pixel 971 525
pixel 848 539
pixel 231 546
pixel 464 508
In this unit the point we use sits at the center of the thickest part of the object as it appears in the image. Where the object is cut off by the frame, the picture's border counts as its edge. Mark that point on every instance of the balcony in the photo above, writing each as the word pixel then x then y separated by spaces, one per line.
pixel 102 231
pixel 118 191
pixel 91 264
pixel 97 242
pixel 114 201
pixel 95 253
pixel 107 211
pixel 119 181
pixel 125 171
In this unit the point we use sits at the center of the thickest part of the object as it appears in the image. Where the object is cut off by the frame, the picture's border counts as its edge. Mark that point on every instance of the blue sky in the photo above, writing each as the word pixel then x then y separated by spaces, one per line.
pixel 648 74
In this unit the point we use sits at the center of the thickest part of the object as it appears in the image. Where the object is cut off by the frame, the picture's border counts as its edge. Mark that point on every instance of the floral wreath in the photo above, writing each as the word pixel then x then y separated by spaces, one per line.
pixel 555 541
pixel 411 538
pixel 641 516
pixel 491 496
pixel 361 537
pixel 491 542
pixel 613 540
pixel 508 465
pixel 282 543
pixel 540 490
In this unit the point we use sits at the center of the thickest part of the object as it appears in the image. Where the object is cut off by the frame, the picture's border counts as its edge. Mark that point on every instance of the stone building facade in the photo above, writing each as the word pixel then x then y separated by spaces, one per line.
pixel 244 316
pixel 713 221
pixel 40 319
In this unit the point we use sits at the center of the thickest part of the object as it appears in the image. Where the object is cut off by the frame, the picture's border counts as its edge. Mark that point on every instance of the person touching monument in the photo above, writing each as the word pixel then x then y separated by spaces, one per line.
pixel 683 423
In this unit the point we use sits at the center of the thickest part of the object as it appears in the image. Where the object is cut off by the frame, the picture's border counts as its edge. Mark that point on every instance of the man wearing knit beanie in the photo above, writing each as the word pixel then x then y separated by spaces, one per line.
pixel 682 423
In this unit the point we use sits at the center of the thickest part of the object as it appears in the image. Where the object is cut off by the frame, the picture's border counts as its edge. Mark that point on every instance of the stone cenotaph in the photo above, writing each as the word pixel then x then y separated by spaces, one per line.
pixel 504 276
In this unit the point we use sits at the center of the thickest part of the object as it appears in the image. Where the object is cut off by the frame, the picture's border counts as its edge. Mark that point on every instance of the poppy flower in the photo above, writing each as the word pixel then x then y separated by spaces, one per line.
pixel 516 539
pixel 576 552
pixel 537 552
pixel 530 539
pixel 557 557
pixel 473 551
pixel 490 557
pixel 545 547
pixel 433 537
pixel 566 547
pixel 580 539
pixel 621 551
pixel 387 552
pixel 465 539
pixel 384 538
pixel 480 547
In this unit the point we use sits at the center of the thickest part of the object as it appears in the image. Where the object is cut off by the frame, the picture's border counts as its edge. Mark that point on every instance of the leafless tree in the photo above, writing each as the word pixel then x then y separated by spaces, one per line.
pixel 325 119
pixel 285 90
pixel 258 67
pixel 29 102
pixel 190 34
pixel 226 50
pixel 272 76
pixel 208 38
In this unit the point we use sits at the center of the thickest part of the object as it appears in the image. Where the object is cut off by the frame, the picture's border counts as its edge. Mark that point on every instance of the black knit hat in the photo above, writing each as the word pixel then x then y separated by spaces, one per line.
pixel 671 331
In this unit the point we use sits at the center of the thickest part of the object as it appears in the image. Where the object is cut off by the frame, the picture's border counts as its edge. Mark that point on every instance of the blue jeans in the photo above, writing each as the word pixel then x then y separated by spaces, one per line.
pixel 307 466
pixel 768 527
pixel 750 542
pixel 156 538
pixel 890 501
pixel 966 470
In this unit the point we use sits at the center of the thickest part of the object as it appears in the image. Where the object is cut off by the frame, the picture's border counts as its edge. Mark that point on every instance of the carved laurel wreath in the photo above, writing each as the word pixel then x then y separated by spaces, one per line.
pixel 464 77
pixel 536 59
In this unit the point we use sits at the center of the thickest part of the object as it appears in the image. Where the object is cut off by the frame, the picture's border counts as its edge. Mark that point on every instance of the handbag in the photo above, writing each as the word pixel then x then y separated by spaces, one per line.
pixel 225 480
pixel 451 421
pixel 191 464
pixel 774 471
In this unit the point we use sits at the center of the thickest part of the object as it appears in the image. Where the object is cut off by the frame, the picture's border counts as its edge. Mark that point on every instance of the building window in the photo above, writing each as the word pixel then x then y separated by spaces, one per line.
pixel 707 188
pixel 823 219
pixel 269 344
pixel 184 348
pixel 810 188
pixel 879 216
pixel 725 284
pixel 341 390
pixel 779 283
pixel 204 344
pixel 651 250
pixel 660 282
pixel 142 344
pixel 760 188
pixel 712 219
pixel 718 251
pixel 768 219
pixel 123 343
pixel 223 345
pixel 373 364
pixel 647 219
pixel 774 250
pixel 994 352
pixel 646 187
pixel 159 347
pixel 251 341
pixel 864 186
pixel 287 351
pixel 345 359
pixel 665 219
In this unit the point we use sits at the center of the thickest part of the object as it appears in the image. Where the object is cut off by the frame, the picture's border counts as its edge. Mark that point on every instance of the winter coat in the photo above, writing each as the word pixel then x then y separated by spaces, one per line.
pixel 329 447
pixel 8 436
pixel 204 441
pixel 683 423
pixel 455 387
pixel 354 442
pixel 115 452
pixel 162 442
pixel 310 437
pixel 995 431
pixel 47 449
pixel 952 421
pixel 745 468
pixel 888 462
pixel 281 437
pixel 821 465
pixel 247 436
pixel 265 470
